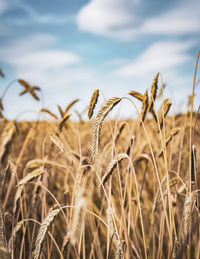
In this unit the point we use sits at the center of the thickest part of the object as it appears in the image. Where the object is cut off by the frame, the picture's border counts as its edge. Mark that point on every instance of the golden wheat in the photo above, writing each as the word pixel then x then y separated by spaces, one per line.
pixel 137 95
pixel 49 112
pixel 121 250
pixel 103 112
pixel 167 104
pixel 112 166
pixel 64 119
pixel 173 133
pixel 154 89
pixel 42 231
pixel 145 102
pixel 93 103
pixel 69 106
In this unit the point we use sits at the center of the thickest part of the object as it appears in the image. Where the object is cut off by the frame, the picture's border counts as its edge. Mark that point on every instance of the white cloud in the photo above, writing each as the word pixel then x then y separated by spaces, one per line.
pixel 26 44
pixel 59 73
pixel 118 19
pixel 165 57
pixel 184 19
pixel 107 17
pixel 34 59
pixel 160 57
pixel 43 60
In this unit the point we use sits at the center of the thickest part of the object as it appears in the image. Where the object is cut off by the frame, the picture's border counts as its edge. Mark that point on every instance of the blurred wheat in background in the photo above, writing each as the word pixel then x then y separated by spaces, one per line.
pixel 102 188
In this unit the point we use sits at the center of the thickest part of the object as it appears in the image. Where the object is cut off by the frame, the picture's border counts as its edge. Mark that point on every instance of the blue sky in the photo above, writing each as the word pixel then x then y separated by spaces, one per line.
pixel 71 48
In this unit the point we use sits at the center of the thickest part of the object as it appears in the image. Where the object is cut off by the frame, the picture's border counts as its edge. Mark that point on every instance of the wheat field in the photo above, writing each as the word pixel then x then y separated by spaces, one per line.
pixel 101 188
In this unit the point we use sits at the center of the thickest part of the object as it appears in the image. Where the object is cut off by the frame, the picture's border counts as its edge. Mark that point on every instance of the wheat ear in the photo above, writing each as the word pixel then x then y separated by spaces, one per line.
pixel 167 104
pixel 49 112
pixel 63 120
pixel 121 250
pixel 4 254
pixel 2 224
pixel 145 102
pixel 93 103
pixel 120 131
pixel 154 89
pixel 137 95
pixel 6 139
pixel 187 217
pixel 35 173
pixel 42 232
pixel 173 133
pixel 70 105
pixel 60 110
pixel 60 144
pixel 1 105
pixel 112 166
pixel 98 123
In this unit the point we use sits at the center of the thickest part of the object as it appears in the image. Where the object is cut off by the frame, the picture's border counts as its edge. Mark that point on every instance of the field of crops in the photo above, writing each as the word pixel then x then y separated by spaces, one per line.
pixel 101 188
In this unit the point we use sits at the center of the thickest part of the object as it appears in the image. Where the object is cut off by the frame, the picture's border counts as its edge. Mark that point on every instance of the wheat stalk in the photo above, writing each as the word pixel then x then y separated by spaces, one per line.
pixel 78 220
pixel 2 225
pixel 173 133
pixel 172 183
pixel 128 150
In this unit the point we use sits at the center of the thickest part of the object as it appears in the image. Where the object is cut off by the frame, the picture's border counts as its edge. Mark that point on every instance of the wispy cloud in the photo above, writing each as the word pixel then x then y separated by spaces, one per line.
pixel 182 20
pixel 167 57
pixel 118 19
pixel 34 16
pixel 163 56
pixel 34 58
pixel 57 72
pixel 31 15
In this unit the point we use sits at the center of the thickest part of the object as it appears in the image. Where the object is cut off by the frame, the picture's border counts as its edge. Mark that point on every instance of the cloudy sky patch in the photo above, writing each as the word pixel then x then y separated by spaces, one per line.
pixel 70 48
